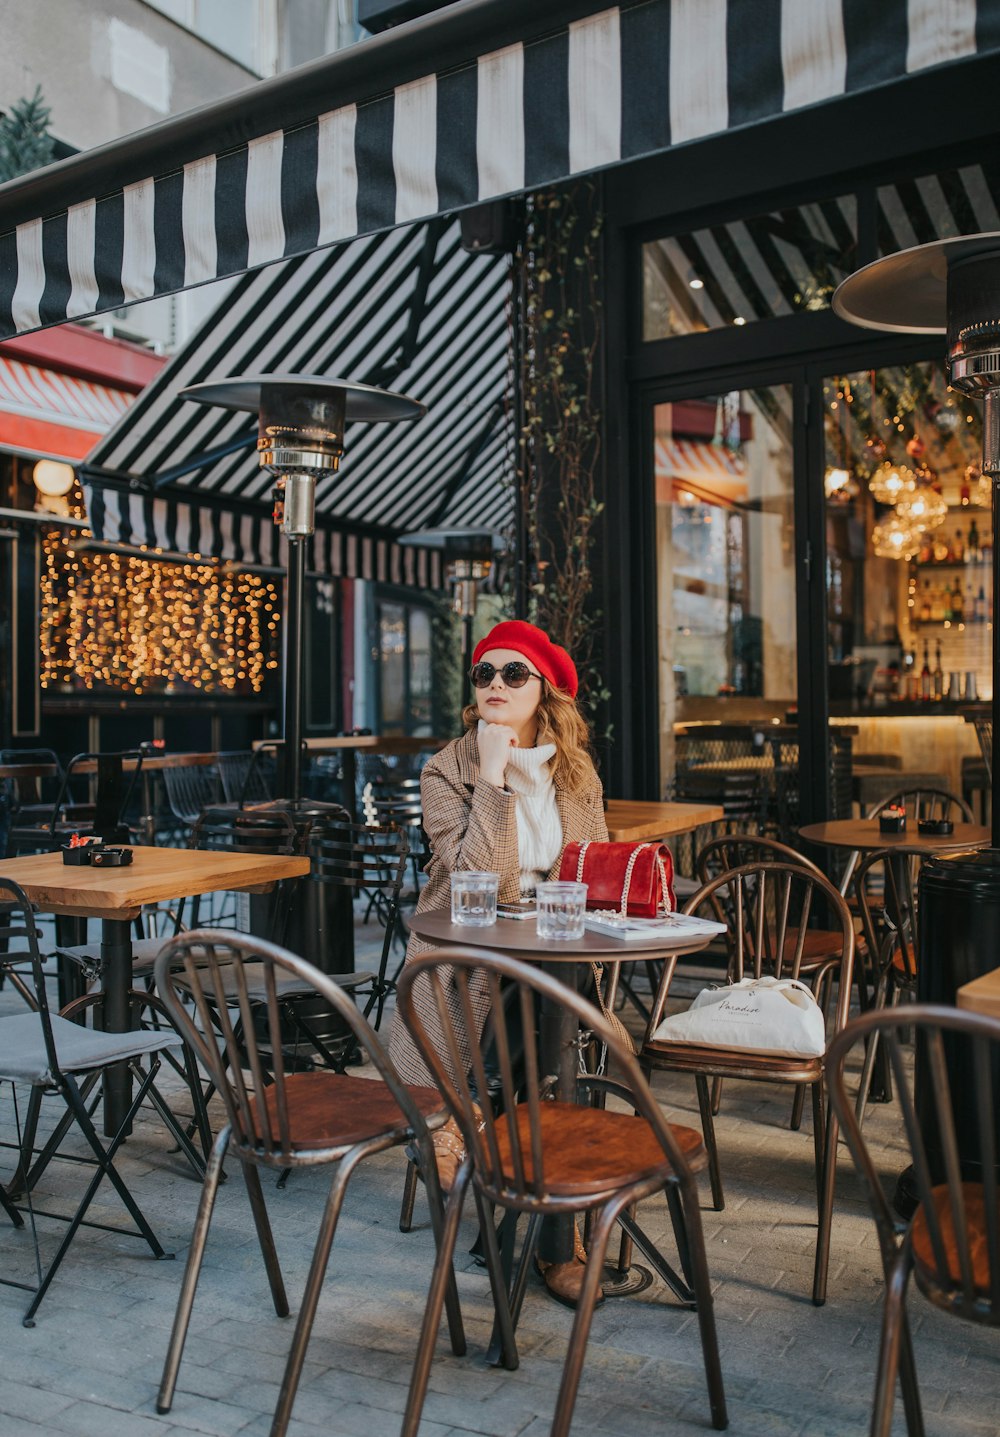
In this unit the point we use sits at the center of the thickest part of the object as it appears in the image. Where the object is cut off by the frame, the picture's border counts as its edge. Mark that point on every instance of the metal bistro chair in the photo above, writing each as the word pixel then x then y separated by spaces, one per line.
pixel 951 1245
pixel 767 906
pixel 885 888
pixel 286 1120
pixel 49 826
pixel 60 1059
pixel 544 1157
pixel 927 803
pixel 192 789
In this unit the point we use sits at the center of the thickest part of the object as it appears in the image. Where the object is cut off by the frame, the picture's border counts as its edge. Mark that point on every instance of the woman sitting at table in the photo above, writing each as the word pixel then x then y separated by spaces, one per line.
pixel 506 798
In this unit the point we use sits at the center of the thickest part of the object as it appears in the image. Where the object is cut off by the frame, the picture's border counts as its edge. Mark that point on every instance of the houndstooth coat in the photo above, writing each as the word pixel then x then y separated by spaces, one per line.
pixel 471 824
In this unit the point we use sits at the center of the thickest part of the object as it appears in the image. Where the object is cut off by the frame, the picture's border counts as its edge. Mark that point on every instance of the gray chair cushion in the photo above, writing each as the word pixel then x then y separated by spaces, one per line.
pixel 22 1047
pixel 287 985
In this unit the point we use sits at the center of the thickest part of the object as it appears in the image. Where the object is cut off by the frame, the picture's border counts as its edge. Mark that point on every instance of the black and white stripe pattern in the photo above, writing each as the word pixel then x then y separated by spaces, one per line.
pixel 619 82
pixel 409 309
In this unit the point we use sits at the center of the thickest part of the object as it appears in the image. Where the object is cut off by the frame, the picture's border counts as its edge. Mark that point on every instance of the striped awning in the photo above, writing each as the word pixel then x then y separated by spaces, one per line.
pixel 410 310
pixel 688 470
pixel 485 98
pixel 44 412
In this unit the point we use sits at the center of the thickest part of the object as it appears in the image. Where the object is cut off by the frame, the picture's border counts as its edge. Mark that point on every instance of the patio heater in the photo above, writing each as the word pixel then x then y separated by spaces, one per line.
pixel 468 558
pixel 300 438
pixel 951 287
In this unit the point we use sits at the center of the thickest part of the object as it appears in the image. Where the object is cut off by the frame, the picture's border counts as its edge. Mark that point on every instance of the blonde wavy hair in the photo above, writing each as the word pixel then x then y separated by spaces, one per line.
pixel 560 722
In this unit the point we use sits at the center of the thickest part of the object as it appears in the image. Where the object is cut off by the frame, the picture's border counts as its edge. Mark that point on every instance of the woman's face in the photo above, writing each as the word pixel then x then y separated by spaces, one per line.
pixel 499 704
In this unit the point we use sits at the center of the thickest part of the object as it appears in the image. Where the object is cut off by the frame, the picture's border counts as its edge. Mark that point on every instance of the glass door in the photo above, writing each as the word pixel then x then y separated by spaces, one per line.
pixel 908 569
pixel 725 568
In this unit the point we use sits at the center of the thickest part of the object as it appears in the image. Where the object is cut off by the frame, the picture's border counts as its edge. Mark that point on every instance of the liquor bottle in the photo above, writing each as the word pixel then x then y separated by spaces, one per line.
pixel 972 614
pixel 981 605
pixel 937 604
pixel 946 613
pixel 957 603
pixel 925 675
pixel 972 555
pixel 937 677
pixel 958 548
pixel 925 601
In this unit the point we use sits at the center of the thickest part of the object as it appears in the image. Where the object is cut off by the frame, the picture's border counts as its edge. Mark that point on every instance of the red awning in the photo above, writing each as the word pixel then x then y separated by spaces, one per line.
pixel 708 473
pixel 44 412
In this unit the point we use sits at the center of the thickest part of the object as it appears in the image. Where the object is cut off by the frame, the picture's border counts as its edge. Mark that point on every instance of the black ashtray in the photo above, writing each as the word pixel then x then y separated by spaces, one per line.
pixel 81 854
pixel 892 820
pixel 935 827
pixel 110 857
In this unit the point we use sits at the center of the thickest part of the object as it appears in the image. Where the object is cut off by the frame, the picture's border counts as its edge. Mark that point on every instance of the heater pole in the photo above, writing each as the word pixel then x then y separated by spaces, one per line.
pixel 294 615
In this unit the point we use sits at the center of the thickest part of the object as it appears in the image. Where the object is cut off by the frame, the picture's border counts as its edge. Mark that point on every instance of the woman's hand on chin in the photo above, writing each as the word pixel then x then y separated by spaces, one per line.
pixel 495 743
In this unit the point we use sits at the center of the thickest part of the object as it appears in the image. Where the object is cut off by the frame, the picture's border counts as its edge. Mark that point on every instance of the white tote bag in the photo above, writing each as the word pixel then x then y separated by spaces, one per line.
pixel 779 1016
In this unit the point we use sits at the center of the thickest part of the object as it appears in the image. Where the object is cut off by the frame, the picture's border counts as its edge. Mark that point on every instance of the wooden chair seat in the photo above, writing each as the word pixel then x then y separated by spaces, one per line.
pixel 335 1110
pixel 818 946
pixel 731 1062
pixel 924 1265
pixel 905 963
pixel 589 1150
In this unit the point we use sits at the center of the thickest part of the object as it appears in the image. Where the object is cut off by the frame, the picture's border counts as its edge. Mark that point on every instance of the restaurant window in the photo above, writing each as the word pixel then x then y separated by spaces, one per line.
pixel 786 262
pixel 909 565
pixel 403 667
pixel 725 541
pixel 939 206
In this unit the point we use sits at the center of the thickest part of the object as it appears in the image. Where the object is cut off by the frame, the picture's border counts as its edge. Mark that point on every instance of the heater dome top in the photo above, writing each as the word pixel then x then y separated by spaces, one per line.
pixel 907 292
pixel 364 402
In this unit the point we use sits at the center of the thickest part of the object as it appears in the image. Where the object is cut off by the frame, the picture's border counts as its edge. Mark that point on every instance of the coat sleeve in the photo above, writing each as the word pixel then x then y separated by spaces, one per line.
pixel 470 831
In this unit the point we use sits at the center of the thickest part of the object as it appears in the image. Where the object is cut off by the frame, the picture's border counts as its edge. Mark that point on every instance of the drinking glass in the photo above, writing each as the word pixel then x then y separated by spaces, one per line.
pixel 561 907
pixel 474 898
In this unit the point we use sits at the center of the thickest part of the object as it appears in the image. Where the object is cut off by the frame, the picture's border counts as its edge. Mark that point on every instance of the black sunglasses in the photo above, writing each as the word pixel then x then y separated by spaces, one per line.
pixel 514 674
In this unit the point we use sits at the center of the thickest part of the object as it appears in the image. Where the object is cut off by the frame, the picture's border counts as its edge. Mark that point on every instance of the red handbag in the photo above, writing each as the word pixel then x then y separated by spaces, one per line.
pixel 634 879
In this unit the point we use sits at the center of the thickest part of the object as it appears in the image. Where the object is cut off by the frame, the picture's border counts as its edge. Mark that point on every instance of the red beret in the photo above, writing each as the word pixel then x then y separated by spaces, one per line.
pixel 536 646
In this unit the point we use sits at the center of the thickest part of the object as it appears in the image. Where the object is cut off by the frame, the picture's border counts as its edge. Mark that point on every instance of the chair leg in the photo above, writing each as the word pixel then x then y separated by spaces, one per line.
pixel 708 1130
pixel 716 1096
pixel 435 1302
pixel 826 1207
pixel 409 1197
pixel 895 1336
pixel 266 1238
pixel 310 1298
pixel 908 1382
pixel 592 1276
pixel 192 1270
pixel 502 1350
pixel 690 1213
pixel 818 1147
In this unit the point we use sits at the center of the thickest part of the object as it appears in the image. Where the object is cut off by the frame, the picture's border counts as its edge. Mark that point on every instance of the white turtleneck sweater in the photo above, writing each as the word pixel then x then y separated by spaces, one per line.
pixel 539 829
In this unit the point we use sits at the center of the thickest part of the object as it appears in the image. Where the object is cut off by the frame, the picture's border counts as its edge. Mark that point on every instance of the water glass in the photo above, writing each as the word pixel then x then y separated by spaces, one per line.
pixel 561 907
pixel 474 899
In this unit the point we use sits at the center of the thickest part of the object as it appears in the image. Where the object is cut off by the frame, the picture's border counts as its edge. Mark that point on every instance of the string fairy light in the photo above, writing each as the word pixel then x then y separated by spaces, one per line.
pixel 133 624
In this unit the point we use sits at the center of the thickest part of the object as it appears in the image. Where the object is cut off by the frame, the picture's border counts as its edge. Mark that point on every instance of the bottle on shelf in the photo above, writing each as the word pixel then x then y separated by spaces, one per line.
pixel 957 603
pixel 937 677
pixel 958 548
pixel 937 603
pixel 925 601
pixel 972 608
pixel 981 605
pixel 925 675
pixel 972 554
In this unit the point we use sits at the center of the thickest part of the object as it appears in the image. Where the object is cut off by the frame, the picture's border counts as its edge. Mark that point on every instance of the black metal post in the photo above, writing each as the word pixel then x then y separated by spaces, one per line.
pixel 995 766
pixel 467 648
pixel 294 616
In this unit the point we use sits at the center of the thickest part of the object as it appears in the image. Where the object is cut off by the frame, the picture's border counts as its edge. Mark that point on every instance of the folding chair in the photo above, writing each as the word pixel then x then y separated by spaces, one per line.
pixel 56 1057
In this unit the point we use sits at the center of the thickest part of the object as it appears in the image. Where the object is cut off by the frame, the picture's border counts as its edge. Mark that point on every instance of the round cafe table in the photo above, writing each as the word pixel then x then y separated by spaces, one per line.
pixel 558 1048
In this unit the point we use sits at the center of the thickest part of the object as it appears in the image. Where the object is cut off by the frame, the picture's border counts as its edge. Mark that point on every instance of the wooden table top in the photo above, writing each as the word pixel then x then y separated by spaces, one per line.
pixel 156 762
pixel 370 742
pixel 518 937
pixel 982 995
pixel 154 876
pixel 28 770
pixel 633 820
pixel 862 835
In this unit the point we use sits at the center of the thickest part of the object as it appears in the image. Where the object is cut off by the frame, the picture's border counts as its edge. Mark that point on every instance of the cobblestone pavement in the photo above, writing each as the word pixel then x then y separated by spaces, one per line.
pixel 92 1364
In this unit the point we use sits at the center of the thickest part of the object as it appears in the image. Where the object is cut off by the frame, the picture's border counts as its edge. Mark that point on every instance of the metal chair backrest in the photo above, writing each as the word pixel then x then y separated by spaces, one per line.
pixel 357 856
pixel 19 942
pixel 984 733
pixel 950 1125
pixel 885 892
pixel 442 997
pixel 191 789
pixel 216 974
pixel 245 831
pixel 920 803
pixel 767 907
pixel 123 768
pixel 34 791
pixel 243 780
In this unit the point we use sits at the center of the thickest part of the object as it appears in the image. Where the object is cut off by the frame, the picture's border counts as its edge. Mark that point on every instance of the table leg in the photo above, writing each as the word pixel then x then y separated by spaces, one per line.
pixel 116 981
pixel 349 770
pixel 559 1055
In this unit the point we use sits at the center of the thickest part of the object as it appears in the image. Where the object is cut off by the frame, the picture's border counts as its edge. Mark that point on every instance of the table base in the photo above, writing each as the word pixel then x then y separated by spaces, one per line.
pixel 619 1283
